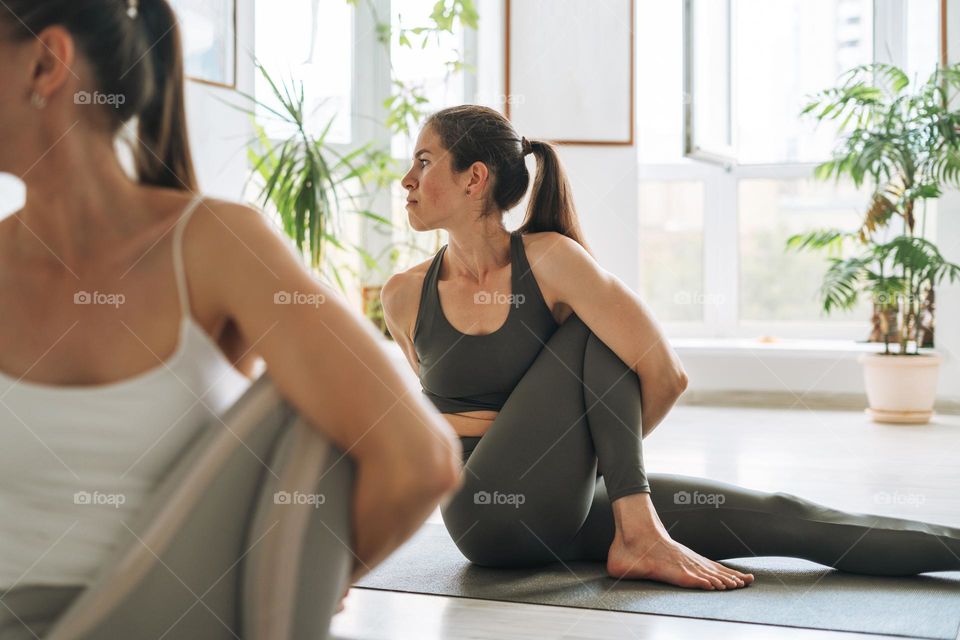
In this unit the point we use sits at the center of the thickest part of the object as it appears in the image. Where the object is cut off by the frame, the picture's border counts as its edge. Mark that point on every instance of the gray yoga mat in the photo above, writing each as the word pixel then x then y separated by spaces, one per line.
pixel 786 591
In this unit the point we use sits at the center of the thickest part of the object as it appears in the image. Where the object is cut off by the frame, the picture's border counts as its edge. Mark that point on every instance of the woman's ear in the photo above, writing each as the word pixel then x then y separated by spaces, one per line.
pixel 477 178
pixel 53 58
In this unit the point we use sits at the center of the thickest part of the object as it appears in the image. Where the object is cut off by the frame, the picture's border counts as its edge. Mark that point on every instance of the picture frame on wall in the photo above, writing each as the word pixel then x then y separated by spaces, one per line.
pixel 209 32
pixel 559 89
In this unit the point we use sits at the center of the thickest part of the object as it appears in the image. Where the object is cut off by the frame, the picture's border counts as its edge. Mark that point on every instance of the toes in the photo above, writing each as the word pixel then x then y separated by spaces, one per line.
pixel 739 577
pixel 714 580
pixel 734 578
pixel 701 581
pixel 732 581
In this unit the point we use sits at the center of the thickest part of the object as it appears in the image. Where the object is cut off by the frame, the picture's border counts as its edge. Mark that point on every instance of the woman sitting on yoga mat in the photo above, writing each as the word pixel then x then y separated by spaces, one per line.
pixel 537 356
pixel 135 309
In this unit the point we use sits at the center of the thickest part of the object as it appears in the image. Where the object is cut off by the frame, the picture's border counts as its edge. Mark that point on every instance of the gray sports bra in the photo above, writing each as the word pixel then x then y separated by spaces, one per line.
pixel 463 372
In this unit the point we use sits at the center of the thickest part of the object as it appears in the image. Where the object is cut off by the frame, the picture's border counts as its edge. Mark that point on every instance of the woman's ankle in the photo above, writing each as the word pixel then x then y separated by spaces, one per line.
pixel 636 518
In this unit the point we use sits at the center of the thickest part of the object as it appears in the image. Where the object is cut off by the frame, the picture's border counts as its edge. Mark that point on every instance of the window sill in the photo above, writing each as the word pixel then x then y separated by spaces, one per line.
pixel 786 347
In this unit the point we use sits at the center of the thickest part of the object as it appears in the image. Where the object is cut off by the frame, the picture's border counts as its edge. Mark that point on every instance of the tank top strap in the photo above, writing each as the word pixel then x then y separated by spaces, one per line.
pixel 178 267
pixel 521 267
pixel 429 298
pixel 525 282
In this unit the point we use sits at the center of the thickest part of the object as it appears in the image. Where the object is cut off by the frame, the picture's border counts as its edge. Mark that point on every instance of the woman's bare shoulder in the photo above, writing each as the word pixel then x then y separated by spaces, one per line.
pixel 401 294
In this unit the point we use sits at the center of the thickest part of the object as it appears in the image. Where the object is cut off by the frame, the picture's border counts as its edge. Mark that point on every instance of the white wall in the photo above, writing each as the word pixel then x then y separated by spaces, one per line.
pixel 218 133
pixel 947 335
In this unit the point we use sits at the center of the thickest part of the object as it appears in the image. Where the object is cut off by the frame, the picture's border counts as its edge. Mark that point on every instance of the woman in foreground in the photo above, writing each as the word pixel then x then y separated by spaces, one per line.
pixel 136 309
pixel 537 357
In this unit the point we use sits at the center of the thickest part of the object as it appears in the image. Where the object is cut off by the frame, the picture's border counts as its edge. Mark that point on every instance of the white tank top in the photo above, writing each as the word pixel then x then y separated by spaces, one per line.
pixel 78 461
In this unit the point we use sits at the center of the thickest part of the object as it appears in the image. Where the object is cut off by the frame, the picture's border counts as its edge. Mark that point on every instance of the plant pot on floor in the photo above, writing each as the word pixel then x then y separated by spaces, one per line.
pixel 901 388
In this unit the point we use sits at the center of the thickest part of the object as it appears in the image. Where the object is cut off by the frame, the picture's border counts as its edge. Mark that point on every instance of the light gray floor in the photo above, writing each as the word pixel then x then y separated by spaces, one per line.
pixel 838 458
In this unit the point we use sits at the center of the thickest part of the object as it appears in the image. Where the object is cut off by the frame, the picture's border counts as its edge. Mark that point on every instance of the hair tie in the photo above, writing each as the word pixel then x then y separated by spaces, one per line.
pixel 525 145
pixel 133 8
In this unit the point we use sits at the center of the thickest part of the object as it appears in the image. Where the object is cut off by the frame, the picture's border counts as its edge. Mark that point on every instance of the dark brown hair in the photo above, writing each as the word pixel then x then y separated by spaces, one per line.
pixel 473 133
pixel 139 58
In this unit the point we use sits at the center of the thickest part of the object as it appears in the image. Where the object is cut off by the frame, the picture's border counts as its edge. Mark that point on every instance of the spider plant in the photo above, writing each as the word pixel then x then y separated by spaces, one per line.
pixel 907 145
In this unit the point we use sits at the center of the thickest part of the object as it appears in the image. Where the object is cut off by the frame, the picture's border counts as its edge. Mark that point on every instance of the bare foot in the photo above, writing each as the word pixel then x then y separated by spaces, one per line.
pixel 659 557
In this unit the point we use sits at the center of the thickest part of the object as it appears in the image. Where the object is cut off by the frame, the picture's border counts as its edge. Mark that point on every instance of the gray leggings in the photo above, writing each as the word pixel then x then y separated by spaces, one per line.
pixel 532 495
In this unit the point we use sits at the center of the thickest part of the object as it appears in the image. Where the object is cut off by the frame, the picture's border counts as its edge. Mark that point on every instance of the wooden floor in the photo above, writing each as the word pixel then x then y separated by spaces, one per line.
pixel 837 458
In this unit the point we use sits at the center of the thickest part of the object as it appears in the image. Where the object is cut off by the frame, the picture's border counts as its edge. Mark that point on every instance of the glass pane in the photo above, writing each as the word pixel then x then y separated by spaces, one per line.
pixel 923 39
pixel 311 42
pixel 424 68
pixel 711 76
pixel 785 50
pixel 777 284
pixel 660 97
pixel 671 249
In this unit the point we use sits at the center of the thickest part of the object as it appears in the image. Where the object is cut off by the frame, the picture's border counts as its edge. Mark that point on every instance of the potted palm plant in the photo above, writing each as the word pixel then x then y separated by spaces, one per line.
pixel 907 144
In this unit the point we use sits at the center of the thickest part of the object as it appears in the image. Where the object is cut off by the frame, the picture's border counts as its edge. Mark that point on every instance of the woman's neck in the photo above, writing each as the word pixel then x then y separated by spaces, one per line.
pixel 475 253
pixel 79 203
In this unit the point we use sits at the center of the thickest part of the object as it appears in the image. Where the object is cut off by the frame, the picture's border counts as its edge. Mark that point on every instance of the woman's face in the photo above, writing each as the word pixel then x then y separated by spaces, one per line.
pixel 435 193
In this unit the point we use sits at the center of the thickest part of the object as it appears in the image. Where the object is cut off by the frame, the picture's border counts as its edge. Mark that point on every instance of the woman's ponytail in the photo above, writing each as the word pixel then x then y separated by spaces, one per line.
pixel 551 207
pixel 162 153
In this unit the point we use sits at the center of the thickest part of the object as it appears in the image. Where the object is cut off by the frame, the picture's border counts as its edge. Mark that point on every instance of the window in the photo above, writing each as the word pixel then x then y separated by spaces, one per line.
pixel 781 286
pixel 753 63
pixel 671 235
pixel 726 222
pixel 787 49
pixel 429 70
pixel 334 48
pixel 309 41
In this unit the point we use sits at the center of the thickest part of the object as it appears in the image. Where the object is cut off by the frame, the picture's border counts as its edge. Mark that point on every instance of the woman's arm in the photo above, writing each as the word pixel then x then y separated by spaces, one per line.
pixel 400 312
pixel 326 360
pixel 615 314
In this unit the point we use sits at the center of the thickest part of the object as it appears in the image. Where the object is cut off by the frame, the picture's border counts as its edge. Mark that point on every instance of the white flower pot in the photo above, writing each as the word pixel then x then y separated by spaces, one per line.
pixel 901 389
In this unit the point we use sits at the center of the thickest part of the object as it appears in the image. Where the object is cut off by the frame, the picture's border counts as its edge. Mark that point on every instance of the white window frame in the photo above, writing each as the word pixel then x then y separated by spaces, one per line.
pixel 720 178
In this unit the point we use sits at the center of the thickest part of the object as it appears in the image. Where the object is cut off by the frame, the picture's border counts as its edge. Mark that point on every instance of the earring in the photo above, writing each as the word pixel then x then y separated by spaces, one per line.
pixel 37 100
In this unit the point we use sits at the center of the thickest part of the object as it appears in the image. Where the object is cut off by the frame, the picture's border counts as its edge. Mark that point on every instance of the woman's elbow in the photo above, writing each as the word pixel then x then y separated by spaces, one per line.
pixel 681 382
